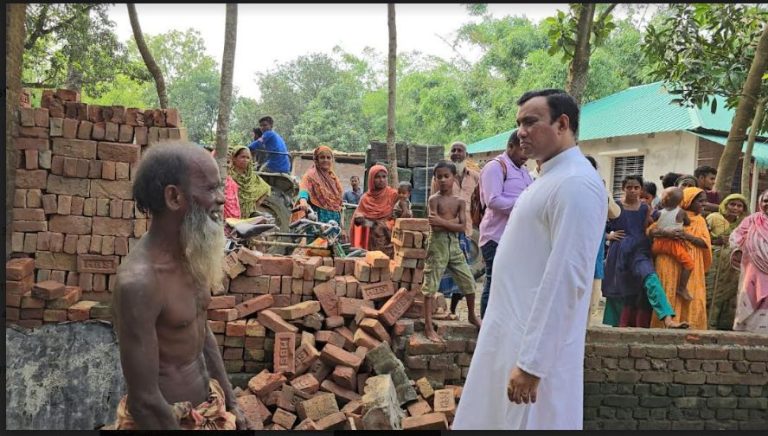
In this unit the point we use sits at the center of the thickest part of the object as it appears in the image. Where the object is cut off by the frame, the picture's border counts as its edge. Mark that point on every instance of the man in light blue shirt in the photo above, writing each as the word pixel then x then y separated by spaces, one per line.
pixel 277 159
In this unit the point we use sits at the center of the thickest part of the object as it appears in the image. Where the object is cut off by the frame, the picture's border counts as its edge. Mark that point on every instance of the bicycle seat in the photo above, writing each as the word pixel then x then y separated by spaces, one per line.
pixel 247 230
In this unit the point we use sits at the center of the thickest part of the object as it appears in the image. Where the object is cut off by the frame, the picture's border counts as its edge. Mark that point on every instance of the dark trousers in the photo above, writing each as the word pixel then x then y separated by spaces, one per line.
pixel 489 252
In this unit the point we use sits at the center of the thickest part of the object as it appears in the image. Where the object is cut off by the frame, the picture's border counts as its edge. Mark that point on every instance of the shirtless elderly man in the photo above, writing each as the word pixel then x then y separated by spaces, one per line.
pixel 172 365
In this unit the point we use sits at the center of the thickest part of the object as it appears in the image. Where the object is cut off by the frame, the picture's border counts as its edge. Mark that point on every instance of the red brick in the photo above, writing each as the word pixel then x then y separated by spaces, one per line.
pixel 396 306
pixel 333 355
pixel 276 266
pixel 29 323
pixel 12 313
pixel 254 305
pixel 121 189
pixel 30 159
pixel 222 302
pixel 274 285
pixel 222 314
pixel 20 286
pixel 77 148
pixel 306 355
pixel 283 356
pixel 306 383
pixel 297 311
pixel 111 131
pixel 172 118
pixel 54 315
pixel 75 225
pixel 31 314
pixel 265 382
pixel 68 186
pixel 350 306
pixel 327 297
pixel 236 328
pixel 376 329
pixel 232 354
pixel 444 401
pixel 30 226
pixel 345 377
pixel 111 226
pixel 71 296
pixel 31 144
pixel 253 409
pixel 254 328
pixel 217 326
pixel 84 130
pixel 99 130
pixel 125 133
pixel 35 179
pixel 284 418
pixel 48 290
pixel 419 408
pixel 429 421
pixel 56 242
pixel 118 115
pixel 69 128
pixel 250 285
pixel 377 291
pixel 140 135
pixel 274 322
pixel 20 268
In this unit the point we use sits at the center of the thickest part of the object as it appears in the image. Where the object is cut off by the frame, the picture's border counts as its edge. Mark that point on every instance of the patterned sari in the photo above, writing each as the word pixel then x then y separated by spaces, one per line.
pixel 374 206
pixel 322 189
pixel 722 280
pixel 693 312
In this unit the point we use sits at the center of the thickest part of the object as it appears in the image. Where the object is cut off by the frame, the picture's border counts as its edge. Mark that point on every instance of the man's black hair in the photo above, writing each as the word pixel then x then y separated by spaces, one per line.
pixel 559 102
pixel 444 164
pixel 160 167
pixel 591 160
pixel 669 180
pixel 650 188
pixel 267 119
pixel 257 133
pixel 704 170
pixel 513 140
pixel 636 177
pixel 405 185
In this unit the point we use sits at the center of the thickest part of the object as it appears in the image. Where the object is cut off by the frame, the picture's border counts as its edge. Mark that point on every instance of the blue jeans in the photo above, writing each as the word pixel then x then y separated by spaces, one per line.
pixel 489 252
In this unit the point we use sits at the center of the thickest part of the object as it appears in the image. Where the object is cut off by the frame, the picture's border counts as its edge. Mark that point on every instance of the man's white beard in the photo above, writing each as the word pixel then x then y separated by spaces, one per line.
pixel 460 166
pixel 203 242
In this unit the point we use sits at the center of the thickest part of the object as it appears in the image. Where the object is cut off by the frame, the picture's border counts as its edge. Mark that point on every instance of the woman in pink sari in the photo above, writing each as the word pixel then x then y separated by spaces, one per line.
pixel 750 256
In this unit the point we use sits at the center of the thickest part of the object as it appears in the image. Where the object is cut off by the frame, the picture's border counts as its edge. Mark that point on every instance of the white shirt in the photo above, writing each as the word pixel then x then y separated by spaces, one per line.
pixel 537 312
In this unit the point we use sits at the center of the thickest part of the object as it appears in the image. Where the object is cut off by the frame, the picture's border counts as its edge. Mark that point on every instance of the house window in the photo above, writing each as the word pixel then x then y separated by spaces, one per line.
pixel 624 166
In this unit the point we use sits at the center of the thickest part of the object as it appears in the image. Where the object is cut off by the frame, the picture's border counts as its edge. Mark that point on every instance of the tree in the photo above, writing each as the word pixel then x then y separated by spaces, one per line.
pixel 391 94
pixel 72 45
pixel 243 121
pixel 146 55
pixel 575 34
pixel 14 49
pixel 704 50
pixel 757 124
pixel 225 95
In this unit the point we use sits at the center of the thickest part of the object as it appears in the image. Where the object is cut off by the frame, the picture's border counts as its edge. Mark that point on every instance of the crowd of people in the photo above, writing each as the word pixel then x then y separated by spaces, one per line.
pixel 678 260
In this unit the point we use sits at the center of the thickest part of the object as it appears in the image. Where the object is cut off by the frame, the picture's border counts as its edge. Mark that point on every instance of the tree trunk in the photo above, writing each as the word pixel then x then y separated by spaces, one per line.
pixel 149 61
pixel 225 92
pixel 576 82
pixel 746 166
pixel 74 78
pixel 391 95
pixel 745 112
pixel 14 51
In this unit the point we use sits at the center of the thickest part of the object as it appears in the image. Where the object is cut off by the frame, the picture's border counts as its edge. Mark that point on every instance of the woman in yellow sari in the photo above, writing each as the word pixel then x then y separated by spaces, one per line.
pixel 722 280
pixel 693 312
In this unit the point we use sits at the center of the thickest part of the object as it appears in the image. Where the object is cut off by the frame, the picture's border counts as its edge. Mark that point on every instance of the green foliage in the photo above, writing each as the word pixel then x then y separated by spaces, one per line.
pixel 562 30
pixel 705 49
pixel 243 120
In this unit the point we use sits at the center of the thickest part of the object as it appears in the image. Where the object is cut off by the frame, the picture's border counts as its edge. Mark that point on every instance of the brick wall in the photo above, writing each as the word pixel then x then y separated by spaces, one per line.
pixel 645 379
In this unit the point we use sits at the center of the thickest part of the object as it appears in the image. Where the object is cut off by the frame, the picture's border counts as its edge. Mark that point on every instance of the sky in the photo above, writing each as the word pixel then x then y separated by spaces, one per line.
pixel 271 34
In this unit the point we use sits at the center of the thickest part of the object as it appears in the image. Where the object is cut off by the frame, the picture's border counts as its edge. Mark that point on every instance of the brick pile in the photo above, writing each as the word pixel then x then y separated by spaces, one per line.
pixel 31 304
pixel 73 207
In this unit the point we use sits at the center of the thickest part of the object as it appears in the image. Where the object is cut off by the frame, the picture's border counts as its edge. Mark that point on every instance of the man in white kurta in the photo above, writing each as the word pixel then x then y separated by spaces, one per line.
pixel 535 323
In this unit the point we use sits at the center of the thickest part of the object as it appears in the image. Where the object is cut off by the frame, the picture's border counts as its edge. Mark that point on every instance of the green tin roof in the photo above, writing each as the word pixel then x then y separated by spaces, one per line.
pixel 641 110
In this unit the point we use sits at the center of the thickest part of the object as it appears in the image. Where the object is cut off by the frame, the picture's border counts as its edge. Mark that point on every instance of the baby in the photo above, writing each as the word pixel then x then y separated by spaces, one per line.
pixel 402 208
pixel 673 217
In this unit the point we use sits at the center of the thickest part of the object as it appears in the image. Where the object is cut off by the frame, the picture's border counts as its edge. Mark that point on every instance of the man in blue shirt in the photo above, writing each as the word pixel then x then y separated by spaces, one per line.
pixel 353 195
pixel 277 159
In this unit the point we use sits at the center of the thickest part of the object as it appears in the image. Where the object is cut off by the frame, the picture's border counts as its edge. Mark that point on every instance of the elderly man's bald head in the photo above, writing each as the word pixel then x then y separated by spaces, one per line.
pixel 164 165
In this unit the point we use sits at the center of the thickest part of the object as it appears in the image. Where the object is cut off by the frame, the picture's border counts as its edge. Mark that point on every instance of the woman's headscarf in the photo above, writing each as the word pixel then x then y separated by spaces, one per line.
pixel 752 237
pixel 688 195
pixel 376 205
pixel 324 188
pixel 251 187
pixel 718 224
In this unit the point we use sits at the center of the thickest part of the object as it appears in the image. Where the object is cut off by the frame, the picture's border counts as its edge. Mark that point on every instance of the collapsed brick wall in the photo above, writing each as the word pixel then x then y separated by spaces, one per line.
pixel 650 379
pixel 73 207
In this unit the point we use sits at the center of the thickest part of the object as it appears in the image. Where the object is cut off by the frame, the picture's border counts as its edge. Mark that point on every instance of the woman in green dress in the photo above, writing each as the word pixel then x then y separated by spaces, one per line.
pixel 252 189
pixel 722 280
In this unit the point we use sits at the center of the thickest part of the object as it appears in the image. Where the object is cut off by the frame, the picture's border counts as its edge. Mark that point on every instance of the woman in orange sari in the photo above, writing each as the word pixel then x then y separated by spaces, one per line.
pixel 372 221
pixel 694 312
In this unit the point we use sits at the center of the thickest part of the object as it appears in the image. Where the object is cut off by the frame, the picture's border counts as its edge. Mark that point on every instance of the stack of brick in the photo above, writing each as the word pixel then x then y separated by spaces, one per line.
pixel 73 207
pixel 410 236
pixel 307 329
pixel 31 304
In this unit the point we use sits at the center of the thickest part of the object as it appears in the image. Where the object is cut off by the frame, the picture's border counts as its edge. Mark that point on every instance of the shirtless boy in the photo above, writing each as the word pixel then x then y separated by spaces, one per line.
pixel 172 366
pixel 446 217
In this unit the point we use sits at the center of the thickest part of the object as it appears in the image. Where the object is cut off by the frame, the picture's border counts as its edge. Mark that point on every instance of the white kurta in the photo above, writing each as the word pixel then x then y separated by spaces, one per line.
pixel 537 313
